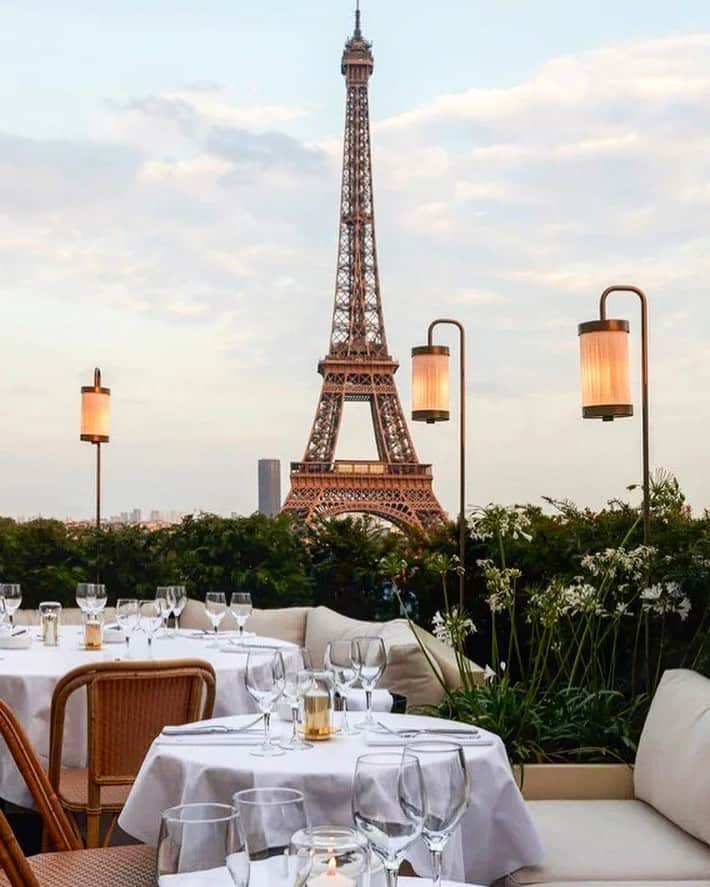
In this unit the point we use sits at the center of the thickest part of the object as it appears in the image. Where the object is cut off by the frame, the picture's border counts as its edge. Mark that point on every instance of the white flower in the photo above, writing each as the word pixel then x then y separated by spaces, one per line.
pixel 488 675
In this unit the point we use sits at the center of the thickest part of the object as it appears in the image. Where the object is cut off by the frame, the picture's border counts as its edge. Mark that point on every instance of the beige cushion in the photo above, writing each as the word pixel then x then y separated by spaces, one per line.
pixel 612 841
pixel 326 625
pixel 70 616
pixel 288 624
pixel 672 770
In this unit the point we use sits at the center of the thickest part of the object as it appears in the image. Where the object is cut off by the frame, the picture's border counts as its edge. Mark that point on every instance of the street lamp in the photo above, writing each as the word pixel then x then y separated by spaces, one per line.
pixel 95 416
pixel 430 403
pixel 606 389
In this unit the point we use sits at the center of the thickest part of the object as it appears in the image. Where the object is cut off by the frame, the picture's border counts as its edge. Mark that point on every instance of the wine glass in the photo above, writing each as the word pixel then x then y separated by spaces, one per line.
pixel 165 605
pixel 240 606
pixel 264 677
pixel 201 839
pixel 179 594
pixel 339 661
pixel 296 679
pixel 447 794
pixel 3 615
pixel 388 805
pixel 370 659
pixel 12 595
pixel 85 596
pixel 269 817
pixel 128 617
pixel 100 598
pixel 151 618
pixel 216 609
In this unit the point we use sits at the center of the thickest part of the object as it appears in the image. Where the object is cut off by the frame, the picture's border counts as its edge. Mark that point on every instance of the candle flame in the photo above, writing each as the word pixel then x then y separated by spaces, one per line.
pixel 331 865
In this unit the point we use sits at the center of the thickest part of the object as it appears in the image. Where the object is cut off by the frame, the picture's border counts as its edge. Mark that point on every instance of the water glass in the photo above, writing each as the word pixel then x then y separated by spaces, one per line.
pixel 85 596
pixel 178 599
pixel 151 618
pixel 12 595
pixel 264 677
pixel 339 661
pixel 370 659
pixel 165 605
pixel 100 598
pixel 296 679
pixel 270 818
pixel 216 609
pixel 201 839
pixel 240 606
pixel 128 617
pixel 388 805
pixel 3 616
pixel 447 794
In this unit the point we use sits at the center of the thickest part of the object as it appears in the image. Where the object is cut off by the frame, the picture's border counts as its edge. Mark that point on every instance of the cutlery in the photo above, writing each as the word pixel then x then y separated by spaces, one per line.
pixel 435 731
pixel 18 631
pixel 210 729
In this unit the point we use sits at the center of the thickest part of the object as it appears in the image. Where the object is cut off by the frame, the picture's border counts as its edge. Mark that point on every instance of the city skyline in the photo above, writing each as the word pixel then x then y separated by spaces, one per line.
pixel 172 220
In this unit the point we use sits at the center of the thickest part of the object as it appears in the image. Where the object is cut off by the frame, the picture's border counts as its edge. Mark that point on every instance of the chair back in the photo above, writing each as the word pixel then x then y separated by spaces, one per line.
pixel 60 834
pixel 128 704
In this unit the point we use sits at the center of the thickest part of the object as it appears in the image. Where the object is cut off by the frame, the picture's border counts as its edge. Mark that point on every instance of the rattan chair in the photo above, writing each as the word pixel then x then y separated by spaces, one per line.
pixel 70 866
pixel 128 704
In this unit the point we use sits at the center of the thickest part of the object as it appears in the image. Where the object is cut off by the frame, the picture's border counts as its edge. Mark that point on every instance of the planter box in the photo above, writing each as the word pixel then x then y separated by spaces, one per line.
pixel 575 782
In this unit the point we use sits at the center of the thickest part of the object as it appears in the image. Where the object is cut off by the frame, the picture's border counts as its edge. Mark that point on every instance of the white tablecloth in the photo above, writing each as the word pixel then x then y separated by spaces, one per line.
pixel 28 678
pixel 222 878
pixel 496 836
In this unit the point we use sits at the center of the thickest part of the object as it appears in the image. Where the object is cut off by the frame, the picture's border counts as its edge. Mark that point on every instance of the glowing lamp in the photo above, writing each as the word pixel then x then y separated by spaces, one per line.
pixel 430 383
pixel 604 357
pixel 95 411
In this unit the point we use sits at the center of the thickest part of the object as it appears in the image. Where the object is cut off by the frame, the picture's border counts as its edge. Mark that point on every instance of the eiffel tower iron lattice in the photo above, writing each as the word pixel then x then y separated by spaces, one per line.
pixel 358 366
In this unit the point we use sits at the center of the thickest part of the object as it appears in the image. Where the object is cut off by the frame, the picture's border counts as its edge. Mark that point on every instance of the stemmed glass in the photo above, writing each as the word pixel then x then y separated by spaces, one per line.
pixel 178 594
pixel 12 595
pixel 201 839
pixel 388 805
pixel 296 679
pixel 100 599
pixel 269 817
pixel 128 617
pixel 339 661
pixel 240 606
pixel 447 794
pixel 85 596
pixel 216 609
pixel 370 659
pixel 264 677
pixel 162 599
pixel 3 616
pixel 151 618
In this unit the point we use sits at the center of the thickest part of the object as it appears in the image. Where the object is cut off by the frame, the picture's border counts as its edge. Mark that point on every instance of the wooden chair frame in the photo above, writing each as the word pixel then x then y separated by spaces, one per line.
pixel 119 738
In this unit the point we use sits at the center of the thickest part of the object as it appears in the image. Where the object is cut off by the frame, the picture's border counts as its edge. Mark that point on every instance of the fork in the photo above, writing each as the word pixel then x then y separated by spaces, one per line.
pixel 210 729
pixel 436 731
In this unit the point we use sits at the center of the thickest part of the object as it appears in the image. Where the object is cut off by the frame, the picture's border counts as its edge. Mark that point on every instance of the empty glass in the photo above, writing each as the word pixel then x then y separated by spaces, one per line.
pixel 3 616
pixel 370 659
pixel 447 794
pixel 12 595
pixel 296 679
pixel 269 818
pixel 264 677
pixel 200 839
pixel 240 606
pixel 339 661
pixel 100 598
pixel 388 805
pixel 216 609
pixel 162 599
pixel 151 618
pixel 178 598
pixel 128 617
pixel 85 596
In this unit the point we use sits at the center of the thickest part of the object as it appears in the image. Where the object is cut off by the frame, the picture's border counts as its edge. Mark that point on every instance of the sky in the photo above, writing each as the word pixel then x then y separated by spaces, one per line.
pixel 169 178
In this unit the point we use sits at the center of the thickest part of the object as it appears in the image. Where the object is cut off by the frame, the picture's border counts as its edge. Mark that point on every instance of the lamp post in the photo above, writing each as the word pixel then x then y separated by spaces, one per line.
pixel 430 403
pixel 95 416
pixel 606 387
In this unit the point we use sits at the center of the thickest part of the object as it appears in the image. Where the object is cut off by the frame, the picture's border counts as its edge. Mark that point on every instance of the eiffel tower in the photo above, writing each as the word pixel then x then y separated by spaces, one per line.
pixel 358 366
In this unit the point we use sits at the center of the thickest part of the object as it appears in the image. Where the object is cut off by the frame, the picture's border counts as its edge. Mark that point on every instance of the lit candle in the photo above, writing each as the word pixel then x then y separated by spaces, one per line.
pixel 332 878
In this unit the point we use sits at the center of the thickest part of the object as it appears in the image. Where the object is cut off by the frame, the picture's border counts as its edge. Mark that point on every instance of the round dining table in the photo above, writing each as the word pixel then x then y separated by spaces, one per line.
pixel 496 835
pixel 28 678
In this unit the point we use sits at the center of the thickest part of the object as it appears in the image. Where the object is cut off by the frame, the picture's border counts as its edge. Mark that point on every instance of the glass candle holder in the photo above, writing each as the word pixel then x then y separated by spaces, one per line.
pixel 318 701
pixel 340 856
pixel 50 618
pixel 93 630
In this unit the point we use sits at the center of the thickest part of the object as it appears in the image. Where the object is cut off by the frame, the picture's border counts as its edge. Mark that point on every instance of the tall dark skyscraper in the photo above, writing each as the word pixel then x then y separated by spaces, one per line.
pixel 269 487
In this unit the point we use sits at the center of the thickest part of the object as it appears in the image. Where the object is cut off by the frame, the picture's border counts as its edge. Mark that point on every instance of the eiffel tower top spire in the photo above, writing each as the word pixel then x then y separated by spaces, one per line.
pixel 358 32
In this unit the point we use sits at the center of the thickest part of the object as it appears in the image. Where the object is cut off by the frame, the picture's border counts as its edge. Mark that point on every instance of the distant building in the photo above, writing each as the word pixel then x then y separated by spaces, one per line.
pixel 269 487
pixel 136 516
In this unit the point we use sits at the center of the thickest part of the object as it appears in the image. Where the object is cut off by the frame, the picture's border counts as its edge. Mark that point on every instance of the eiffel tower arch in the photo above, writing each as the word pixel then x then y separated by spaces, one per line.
pixel 358 366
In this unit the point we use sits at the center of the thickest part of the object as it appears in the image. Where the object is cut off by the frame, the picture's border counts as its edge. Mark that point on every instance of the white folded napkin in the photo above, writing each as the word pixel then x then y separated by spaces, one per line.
pixel 11 641
pixel 383 740
pixel 381 700
pixel 113 633
pixel 247 738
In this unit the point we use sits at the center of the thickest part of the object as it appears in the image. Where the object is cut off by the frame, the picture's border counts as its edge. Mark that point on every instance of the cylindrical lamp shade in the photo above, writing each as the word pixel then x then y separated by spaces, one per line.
pixel 604 355
pixel 95 411
pixel 430 383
